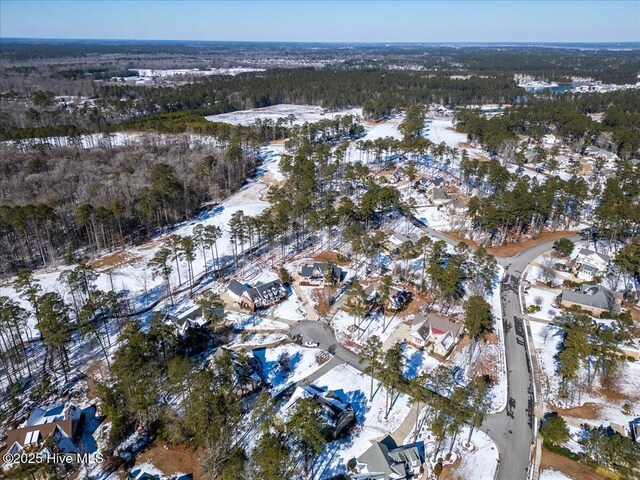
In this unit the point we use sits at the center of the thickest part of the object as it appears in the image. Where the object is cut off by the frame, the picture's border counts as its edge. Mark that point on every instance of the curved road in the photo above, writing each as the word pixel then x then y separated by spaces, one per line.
pixel 512 429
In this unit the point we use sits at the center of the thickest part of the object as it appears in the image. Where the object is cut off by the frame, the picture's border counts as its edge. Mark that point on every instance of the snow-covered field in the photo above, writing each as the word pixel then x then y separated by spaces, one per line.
pixel 442 130
pixel 383 129
pixel 298 114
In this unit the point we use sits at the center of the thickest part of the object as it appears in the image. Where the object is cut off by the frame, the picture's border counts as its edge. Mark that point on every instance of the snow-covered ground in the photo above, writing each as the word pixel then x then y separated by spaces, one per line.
pixel 302 362
pixel 546 339
pixel 545 299
pixel 417 362
pixel 132 275
pixel 116 139
pixel 384 128
pixel 481 460
pixel 371 423
pixel 442 130
pixel 550 474
pixel 299 114
pixel 478 459
pixel 343 324
pixel 253 322
pixel 256 340
pixel 434 217
pixel 153 72
pixel 495 351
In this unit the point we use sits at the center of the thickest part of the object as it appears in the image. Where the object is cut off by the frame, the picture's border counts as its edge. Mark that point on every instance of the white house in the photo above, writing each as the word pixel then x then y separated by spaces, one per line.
pixel 437 334
pixel 589 264
pixel 397 239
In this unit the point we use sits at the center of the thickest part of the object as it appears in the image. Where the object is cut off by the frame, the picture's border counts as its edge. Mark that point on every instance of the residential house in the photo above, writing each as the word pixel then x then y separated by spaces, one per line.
pixel 589 264
pixel 337 411
pixel 385 460
pixel 319 272
pixel 399 175
pixel 436 334
pixel 263 295
pixel 440 196
pixel 398 299
pixel 397 239
pixel 187 318
pixel 596 299
pixel 457 209
pixel 425 184
pixel 59 421
pixel 597 152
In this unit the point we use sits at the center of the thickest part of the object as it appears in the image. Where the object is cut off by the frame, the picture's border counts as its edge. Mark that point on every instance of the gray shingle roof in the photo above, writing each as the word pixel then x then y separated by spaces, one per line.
pixel 236 287
pixel 389 460
pixel 593 296
pixel 308 271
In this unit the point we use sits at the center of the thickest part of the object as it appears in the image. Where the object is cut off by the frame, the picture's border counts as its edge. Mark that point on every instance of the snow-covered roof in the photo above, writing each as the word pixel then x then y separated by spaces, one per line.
pixel 53 413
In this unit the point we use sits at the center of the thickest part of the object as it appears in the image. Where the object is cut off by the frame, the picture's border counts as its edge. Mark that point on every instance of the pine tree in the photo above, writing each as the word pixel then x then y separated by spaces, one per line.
pixel 370 356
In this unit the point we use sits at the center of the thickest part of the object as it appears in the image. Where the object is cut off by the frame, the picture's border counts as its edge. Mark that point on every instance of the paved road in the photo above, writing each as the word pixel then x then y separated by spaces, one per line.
pixel 512 429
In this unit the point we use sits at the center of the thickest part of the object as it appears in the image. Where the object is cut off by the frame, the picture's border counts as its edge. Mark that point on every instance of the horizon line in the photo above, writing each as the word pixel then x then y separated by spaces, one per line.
pixel 335 42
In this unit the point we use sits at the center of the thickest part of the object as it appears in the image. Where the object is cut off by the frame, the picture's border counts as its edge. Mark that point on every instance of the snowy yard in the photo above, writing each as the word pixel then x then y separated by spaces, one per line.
pixel 417 362
pixel 371 424
pixel 254 322
pixel 343 324
pixel 288 364
pixel 547 342
pixel 543 298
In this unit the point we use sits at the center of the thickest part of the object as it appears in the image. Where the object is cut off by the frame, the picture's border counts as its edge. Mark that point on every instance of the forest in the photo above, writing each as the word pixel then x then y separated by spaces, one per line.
pixel 566 116
pixel 61 202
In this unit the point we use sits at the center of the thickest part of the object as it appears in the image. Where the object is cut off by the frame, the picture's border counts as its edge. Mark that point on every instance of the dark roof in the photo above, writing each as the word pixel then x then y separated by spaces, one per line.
pixel 45 429
pixel 585 252
pixel 308 271
pixel 440 194
pixel 265 288
pixel 236 287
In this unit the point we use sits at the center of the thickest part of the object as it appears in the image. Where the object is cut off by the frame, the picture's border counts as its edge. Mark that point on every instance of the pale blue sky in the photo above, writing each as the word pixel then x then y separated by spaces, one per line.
pixel 346 21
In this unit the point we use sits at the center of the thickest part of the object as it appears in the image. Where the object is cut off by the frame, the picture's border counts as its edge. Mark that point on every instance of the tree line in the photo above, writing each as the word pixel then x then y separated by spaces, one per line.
pixel 63 203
